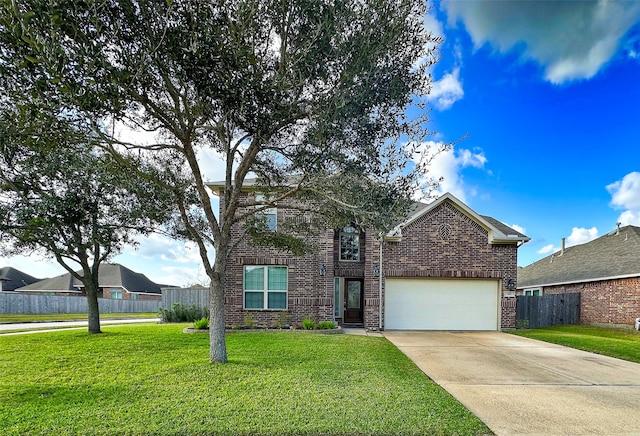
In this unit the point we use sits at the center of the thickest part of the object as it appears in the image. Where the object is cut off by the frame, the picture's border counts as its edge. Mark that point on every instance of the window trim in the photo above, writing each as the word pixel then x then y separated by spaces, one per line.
pixel 350 231
pixel 530 292
pixel 265 291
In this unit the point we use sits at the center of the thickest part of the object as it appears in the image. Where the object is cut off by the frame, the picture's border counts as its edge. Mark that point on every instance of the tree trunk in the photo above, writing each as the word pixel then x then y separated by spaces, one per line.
pixel 92 301
pixel 218 346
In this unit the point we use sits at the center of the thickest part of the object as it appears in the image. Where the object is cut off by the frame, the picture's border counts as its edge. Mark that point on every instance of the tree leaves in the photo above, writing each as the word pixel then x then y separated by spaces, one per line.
pixel 310 96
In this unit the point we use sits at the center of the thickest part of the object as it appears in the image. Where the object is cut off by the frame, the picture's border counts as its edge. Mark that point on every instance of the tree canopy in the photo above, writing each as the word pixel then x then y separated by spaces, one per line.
pixel 62 196
pixel 310 97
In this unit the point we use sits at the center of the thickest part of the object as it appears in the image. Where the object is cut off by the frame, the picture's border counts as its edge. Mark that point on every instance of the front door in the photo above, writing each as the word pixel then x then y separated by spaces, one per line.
pixel 353 301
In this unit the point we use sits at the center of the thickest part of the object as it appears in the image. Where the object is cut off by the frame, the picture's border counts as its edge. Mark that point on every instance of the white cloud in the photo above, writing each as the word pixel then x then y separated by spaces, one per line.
pixel 518 228
pixel 212 165
pixel 570 40
pixel 433 26
pixel 580 235
pixel 165 261
pixel 166 249
pixel 547 249
pixel 446 91
pixel 625 194
pixel 182 276
pixel 629 217
pixel 448 166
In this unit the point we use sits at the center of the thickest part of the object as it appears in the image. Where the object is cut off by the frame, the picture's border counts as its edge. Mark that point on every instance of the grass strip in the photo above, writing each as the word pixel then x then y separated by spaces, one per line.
pixel 157 380
pixel 613 342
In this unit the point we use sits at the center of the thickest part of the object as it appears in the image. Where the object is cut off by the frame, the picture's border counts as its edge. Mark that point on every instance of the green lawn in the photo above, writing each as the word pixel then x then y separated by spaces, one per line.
pixel 12 317
pixel 620 343
pixel 154 379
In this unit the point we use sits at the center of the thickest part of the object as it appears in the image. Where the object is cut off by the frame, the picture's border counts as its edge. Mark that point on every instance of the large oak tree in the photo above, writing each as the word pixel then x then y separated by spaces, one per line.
pixel 309 96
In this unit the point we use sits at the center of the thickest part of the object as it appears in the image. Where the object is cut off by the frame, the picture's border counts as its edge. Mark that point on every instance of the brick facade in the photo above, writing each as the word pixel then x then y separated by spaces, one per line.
pixel 606 301
pixel 446 243
pixel 443 243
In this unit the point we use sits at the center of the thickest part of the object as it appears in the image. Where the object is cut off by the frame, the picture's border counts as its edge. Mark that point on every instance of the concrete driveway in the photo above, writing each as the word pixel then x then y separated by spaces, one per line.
pixel 520 386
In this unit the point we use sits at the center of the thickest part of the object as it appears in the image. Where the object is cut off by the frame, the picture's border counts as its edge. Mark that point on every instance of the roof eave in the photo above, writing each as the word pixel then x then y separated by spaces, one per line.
pixel 581 280
pixel 510 239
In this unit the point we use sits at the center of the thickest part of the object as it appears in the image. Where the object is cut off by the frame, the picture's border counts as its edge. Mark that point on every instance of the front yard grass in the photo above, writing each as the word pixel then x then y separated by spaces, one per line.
pixel 157 380
pixel 614 342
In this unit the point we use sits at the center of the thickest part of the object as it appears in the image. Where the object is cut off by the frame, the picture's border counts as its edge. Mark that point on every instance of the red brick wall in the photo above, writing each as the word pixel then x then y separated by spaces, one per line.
pixel 607 301
pixel 465 253
pixel 309 293
pixel 446 243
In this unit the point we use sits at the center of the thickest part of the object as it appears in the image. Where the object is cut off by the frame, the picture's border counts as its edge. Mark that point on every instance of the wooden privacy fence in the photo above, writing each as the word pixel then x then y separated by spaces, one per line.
pixel 547 310
pixel 37 304
pixel 199 297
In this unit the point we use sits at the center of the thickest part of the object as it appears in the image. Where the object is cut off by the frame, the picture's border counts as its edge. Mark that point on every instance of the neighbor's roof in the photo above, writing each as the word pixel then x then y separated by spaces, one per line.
pixel 12 278
pixel 499 233
pixel 110 275
pixel 614 255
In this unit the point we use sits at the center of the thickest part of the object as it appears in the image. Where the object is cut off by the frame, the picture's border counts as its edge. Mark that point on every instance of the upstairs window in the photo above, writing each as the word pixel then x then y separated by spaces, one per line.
pixel 269 215
pixel 350 244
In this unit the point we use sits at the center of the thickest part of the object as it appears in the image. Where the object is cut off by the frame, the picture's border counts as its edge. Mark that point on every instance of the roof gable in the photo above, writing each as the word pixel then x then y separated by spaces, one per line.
pixel 498 233
pixel 614 255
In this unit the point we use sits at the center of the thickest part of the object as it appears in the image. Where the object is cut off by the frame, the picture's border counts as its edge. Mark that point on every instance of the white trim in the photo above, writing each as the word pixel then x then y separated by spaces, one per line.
pixel 47 290
pixel 585 280
pixel 495 235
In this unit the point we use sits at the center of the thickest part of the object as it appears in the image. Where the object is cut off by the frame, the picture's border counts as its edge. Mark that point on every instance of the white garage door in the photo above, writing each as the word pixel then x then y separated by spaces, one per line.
pixel 437 304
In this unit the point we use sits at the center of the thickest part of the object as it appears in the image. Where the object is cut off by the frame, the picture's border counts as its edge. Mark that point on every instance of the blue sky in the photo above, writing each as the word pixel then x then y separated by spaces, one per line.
pixel 548 93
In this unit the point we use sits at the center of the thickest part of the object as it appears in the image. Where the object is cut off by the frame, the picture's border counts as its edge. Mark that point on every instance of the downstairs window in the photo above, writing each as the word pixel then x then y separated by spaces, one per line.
pixel 265 287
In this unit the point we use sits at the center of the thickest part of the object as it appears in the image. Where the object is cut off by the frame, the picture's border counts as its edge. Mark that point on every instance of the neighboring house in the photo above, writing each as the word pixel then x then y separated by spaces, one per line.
pixel 444 268
pixel 115 281
pixel 605 271
pixel 11 278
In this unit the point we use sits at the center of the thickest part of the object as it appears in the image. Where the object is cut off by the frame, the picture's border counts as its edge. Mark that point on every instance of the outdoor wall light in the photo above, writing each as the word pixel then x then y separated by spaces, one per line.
pixel 323 270
pixel 376 270
pixel 511 284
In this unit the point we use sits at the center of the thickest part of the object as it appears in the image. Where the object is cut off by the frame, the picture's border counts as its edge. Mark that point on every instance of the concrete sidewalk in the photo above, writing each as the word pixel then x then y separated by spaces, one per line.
pixel 43 327
pixel 519 386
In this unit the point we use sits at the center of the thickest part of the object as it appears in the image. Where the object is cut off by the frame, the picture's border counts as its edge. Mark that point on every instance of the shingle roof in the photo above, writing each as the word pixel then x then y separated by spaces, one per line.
pixel 13 278
pixel 508 231
pixel 110 275
pixel 614 255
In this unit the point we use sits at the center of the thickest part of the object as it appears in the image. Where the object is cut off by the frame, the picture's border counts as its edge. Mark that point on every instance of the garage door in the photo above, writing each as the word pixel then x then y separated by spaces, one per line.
pixel 437 304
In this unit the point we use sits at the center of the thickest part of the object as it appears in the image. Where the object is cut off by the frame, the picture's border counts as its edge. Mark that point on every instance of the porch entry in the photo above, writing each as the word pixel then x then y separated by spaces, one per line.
pixel 353 301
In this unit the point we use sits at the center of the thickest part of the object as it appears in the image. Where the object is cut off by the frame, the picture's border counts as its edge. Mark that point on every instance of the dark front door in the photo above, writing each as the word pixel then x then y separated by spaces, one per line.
pixel 353 301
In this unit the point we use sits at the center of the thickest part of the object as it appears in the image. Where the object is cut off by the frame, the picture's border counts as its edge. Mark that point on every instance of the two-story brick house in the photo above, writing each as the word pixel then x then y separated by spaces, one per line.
pixel 443 268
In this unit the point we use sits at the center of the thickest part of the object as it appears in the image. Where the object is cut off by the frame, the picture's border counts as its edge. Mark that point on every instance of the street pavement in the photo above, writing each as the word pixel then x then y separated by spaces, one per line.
pixel 42 327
